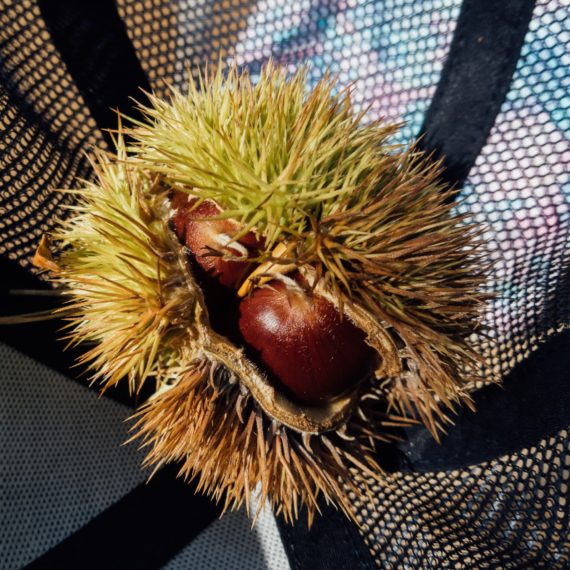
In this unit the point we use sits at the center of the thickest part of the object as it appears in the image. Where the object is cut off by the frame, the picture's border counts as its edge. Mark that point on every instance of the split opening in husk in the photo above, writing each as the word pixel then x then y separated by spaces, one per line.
pixel 366 227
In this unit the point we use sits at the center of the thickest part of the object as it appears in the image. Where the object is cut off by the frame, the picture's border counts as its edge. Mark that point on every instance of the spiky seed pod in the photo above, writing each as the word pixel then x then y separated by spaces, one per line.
pixel 323 216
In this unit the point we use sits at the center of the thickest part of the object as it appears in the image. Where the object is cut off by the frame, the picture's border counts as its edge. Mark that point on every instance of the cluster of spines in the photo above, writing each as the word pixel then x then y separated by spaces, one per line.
pixel 126 299
pixel 223 440
pixel 372 218
pixel 372 221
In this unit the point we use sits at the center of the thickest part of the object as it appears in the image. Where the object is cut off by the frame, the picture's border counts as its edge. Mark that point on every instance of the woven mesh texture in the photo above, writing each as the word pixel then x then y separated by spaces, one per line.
pixel 519 189
pixel 173 37
pixel 391 51
pixel 62 456
pixel 45 130
pixel 510 512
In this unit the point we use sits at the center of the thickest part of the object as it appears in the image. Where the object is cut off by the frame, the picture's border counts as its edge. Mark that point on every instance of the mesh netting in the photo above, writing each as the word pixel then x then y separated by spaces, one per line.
pixel 519 188
pixel 392 51
pixel 45 129
pixel 510 512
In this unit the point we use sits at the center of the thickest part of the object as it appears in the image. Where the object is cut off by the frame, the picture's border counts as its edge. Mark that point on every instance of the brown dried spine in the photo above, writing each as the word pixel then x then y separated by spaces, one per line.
pixel 364 223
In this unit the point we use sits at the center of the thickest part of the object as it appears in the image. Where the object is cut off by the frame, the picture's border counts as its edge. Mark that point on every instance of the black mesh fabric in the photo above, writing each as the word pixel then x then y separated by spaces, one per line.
pixel 45 130
pixel 511 512
pixel 495 493
pixel 519 188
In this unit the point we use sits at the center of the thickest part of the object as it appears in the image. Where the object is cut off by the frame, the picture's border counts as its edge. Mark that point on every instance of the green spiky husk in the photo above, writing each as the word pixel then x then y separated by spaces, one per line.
pixel 372 218
pixel 368 218
pixel 132 299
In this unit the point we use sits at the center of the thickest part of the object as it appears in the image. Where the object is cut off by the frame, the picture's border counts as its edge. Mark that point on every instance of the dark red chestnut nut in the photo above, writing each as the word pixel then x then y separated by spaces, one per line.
pixel 303 342
pixel 208 240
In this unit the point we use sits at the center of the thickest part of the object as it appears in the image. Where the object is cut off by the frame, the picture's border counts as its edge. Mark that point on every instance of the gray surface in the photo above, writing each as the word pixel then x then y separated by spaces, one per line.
pixel 61 457
pixel 231 544
pixel 63 461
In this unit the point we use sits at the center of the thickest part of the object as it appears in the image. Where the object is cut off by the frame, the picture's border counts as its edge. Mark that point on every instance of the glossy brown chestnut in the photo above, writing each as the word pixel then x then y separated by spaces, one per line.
pixel 302 341
pixel 209 239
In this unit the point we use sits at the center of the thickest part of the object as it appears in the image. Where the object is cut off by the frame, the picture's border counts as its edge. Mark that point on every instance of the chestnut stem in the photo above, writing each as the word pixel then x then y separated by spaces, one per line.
pixel 267 270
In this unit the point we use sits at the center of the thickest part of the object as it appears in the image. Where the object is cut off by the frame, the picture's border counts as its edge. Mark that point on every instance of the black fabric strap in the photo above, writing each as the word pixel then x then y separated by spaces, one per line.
pixel 332 543
pixel 532 403
pixel 474 82
pixel 93 43
pixel 143 530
